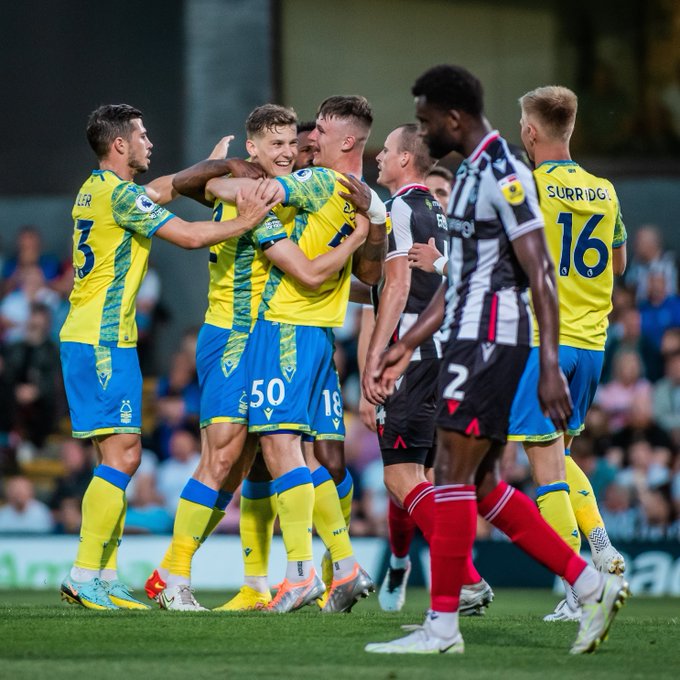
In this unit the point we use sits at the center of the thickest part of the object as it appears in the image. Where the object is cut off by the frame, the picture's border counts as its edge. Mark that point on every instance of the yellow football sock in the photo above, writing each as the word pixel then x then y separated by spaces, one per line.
pixel 218 513
pixel 103 505
pixel 582 498
pixel 256 523
pixel 555 508
pixel 328 517
pixel 295 498
pixel 110 555
pixel 345 494
pixel 194 512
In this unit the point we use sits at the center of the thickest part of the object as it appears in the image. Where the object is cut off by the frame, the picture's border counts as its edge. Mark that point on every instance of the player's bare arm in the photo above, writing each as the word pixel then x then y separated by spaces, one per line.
pixel 252 203
pixel 226 188
pixel 359 292
pixel 366 409
pixel 291 259
pixel 192 181
pixel 425 256
pixel 619 260
pixel 394 362
pixel 392 303
pixel 368 261
pixel 553 392
pixel 161 189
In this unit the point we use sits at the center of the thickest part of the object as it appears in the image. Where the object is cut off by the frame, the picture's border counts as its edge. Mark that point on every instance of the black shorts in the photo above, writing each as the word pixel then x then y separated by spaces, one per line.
pixel 406 421
pixel 477 384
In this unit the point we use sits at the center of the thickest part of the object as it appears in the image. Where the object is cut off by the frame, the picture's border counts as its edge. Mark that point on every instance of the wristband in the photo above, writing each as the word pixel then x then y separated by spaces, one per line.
pixel 439 264
pixel 376 213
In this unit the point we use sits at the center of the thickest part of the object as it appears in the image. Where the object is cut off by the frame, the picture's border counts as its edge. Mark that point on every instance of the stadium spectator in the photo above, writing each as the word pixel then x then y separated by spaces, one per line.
pixel 149 313
pixel 618 512
pixel 649 254
pixel 174 472
pixel 627 389
pixel 146 512
pixel 77 458
pixel 28 253
pixel 627 334
pixel 68 516
pixel 661 310
pixel 656 515
pixel 666 397
pixel 178 401
pixel 643 472
pixel 15 308
pixel 23 513
pixel 32 368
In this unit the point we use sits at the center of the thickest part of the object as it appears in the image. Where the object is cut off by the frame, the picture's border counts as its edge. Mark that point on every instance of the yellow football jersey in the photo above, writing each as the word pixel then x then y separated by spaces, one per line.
pixel 114 223
pixel 322 221
pixel 239 268
pixel 582 224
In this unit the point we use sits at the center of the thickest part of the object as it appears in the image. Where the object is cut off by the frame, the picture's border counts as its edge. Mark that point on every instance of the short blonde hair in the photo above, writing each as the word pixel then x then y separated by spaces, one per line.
pixel 554 107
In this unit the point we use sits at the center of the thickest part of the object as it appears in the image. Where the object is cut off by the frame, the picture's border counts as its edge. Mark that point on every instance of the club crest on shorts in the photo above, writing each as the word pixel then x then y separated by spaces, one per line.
pixel 125 412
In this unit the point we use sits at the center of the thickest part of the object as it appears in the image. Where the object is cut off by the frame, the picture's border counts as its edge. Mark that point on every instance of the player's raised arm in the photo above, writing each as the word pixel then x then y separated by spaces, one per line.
pixel 368 260
pixel 226 188
pixel 161 190
pixel 253 204
pixel 532 253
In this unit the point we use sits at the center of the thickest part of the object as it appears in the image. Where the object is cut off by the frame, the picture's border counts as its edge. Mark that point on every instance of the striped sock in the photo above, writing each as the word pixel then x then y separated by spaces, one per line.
pixel 517 516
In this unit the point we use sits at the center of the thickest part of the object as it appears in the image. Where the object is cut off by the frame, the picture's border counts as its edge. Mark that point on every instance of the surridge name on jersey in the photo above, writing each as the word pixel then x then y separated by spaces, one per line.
pixel 578 193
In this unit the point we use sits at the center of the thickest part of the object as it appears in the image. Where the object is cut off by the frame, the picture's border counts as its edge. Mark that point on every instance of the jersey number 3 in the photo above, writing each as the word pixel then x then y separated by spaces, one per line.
pixel 84 227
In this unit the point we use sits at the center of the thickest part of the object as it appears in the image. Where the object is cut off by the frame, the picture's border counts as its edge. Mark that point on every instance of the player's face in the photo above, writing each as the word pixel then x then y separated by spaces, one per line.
pixel 275 150
pixel 390 159
pixel 328 136
pixel 440 188
pixel 437 129
pixel 138 147
pixel 305 154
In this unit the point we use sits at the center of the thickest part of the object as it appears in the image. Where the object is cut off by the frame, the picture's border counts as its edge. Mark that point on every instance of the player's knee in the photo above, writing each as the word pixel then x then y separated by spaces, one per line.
pixel 128 460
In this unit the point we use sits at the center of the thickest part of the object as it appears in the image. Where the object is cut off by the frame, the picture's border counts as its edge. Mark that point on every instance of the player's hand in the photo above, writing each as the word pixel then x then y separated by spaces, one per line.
pixel 367 413
pixel 255 202
pixel 221 150
pixel 554 397
pixel 371 386
pixel 240 168
pixel 392 365
pixel 423 255
pixel 357 193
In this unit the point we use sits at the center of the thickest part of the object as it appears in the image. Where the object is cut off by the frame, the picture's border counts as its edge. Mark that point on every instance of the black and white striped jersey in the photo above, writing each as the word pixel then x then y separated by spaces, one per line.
pixel 493 202
pixel 416 217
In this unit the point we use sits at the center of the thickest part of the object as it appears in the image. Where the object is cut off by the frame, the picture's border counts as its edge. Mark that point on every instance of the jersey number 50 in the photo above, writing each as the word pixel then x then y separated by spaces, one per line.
pixel 584 243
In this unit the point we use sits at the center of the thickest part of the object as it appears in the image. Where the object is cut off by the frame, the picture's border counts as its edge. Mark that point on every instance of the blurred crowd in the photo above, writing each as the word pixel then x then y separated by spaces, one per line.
pixel 629 449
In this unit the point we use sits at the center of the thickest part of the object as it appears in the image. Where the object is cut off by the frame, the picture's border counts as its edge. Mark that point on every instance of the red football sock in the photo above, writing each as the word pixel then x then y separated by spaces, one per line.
pixel 419 502
pixel 471 575
pixel 401 529
pixel 517 516
pixel 454 533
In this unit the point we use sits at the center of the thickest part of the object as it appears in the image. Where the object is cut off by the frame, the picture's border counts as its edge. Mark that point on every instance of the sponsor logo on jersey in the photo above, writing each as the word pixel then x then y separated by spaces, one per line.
pixel 303 175
pixel 512 189
pixel 144 203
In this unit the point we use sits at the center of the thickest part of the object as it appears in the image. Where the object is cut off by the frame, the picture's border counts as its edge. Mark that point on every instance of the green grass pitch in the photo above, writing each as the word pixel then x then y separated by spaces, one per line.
pixel 43 638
